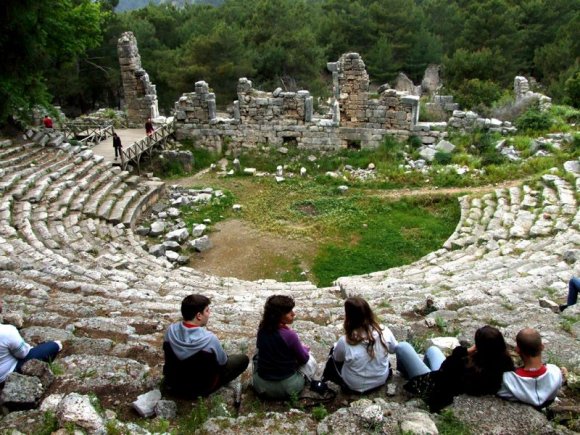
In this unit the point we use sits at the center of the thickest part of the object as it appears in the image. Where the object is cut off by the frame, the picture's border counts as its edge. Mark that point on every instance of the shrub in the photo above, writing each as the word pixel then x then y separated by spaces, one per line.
pixel 415 142
pixel 390 150
pixel 572 89
pixel 475 92
pixel 432 113
pixel 448 424
pixel 442 157
pixel 49 424
pixel 203 158
pixel 319 412
pixel 533 120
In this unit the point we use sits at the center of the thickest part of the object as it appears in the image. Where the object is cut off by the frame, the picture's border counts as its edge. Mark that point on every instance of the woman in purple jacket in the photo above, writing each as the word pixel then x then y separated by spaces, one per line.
pixel 280 353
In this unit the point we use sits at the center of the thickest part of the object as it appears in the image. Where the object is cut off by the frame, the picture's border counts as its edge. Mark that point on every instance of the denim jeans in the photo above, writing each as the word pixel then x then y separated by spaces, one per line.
pixel 46 351
pixel 410 364
pixel 573 288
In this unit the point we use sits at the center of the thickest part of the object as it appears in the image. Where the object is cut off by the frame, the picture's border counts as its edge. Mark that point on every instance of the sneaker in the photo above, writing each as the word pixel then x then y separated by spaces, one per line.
pixel 563 307
pixel 59 344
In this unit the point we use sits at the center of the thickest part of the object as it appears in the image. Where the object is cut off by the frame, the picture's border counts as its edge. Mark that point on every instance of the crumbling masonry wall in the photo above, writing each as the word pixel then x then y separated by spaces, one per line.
pixel 140 94
pixel 278 118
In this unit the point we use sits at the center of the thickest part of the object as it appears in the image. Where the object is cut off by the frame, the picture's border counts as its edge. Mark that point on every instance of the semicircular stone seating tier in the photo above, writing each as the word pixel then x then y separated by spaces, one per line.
pixel 71 268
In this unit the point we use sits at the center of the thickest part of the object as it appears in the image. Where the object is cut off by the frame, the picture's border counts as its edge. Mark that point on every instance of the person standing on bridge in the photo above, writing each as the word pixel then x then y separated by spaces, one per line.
pixel 117 145
pixel 149 127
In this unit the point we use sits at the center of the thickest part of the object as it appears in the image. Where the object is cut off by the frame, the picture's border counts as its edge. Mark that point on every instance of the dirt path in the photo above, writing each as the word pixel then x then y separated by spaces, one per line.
pixel 244 252
pixel 401 193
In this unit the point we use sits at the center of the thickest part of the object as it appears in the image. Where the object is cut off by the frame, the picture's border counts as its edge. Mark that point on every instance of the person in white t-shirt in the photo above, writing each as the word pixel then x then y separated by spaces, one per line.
pixel 535 383
pixel 359 360
pixel 14 351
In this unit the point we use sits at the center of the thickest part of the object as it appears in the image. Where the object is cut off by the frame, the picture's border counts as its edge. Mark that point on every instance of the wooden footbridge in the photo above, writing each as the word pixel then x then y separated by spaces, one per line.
pixel 87 131
pixel 144 146
pixel 135 144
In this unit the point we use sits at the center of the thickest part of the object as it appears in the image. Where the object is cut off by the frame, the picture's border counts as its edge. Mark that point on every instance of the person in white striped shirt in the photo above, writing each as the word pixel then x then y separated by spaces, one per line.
pixel 14 351
pixel 535 383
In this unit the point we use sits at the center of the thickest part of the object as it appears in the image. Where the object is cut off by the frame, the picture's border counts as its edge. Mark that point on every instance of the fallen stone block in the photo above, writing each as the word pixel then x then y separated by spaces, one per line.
pixel 145 403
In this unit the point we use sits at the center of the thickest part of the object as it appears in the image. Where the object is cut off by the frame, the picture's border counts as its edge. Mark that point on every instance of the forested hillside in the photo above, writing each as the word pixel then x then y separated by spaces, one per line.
pixel 128 5
pixel 64 51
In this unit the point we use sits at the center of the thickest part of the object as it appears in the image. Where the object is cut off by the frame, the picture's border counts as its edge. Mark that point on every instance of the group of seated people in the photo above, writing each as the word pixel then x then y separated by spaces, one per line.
pixel 196 364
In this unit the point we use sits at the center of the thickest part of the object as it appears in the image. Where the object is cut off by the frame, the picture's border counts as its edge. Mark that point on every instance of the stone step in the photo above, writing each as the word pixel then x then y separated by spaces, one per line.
pixel 108 203
pixel 122 203
pixel 150 193
pixel 22 171
pixel 83 198
pixel 41 176
pixel 92 207
pixel 566 193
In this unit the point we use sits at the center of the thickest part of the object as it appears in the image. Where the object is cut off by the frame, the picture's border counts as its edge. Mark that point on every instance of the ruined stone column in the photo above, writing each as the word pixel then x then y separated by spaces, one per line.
pixel 140 93
pixel 353 89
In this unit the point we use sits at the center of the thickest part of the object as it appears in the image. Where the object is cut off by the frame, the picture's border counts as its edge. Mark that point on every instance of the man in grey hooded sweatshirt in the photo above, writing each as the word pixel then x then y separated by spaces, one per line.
pixel 195 362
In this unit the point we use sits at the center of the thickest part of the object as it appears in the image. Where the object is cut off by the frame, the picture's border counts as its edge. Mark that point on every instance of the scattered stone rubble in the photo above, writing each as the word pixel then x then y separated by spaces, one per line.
pixel 171 229
pixel 72 268
pixel 469 121
pixel 524 94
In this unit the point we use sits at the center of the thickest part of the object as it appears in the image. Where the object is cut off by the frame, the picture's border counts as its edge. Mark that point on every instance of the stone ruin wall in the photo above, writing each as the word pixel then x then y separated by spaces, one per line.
pixel 140 94
pixel 278 118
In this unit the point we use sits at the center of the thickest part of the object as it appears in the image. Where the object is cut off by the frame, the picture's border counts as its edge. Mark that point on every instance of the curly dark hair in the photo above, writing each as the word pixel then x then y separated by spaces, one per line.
pixel 276 306
pixel 360 322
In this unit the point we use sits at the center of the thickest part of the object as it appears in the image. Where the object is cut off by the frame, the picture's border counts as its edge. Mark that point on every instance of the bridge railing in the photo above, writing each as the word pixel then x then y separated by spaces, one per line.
pixel 88 131
pixel 134 151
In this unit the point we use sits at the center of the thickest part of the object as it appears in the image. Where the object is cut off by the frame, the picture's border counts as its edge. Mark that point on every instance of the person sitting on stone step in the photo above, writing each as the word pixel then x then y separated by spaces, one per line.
pixel 282 364
pixel 477 370
pixel 14 351
pixel 535 383
pixel 573 289
pixel 359 361
pixel 195 361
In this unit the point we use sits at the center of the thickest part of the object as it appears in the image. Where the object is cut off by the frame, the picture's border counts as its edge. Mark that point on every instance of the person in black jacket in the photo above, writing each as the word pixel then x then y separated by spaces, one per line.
pixel 195 361
pixel 117 145
pixel 476 371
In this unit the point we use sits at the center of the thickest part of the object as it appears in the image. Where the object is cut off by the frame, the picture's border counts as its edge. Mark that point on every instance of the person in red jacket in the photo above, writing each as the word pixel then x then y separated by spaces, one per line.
pixel 149 127
pixel 47 121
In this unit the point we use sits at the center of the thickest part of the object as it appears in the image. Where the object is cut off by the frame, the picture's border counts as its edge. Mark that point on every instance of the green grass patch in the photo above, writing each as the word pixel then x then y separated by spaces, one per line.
pixel 216 210
pixel 344 234
pixel 378 235
pixel 213 406
pixel 448 424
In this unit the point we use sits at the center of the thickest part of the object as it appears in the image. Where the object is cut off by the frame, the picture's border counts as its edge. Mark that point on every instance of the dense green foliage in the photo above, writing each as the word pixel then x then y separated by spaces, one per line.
pixel 66 50
pixel 42 42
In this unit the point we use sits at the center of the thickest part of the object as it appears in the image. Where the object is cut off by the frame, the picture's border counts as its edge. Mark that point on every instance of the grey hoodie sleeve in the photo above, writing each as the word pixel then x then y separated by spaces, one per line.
pixel 220 354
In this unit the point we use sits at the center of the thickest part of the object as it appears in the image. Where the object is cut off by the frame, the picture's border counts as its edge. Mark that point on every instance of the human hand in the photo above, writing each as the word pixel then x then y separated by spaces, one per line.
pixel 564 371
pixel 472 350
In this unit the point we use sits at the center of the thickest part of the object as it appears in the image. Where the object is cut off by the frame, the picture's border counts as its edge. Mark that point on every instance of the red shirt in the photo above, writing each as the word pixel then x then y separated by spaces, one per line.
pixel 47 122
